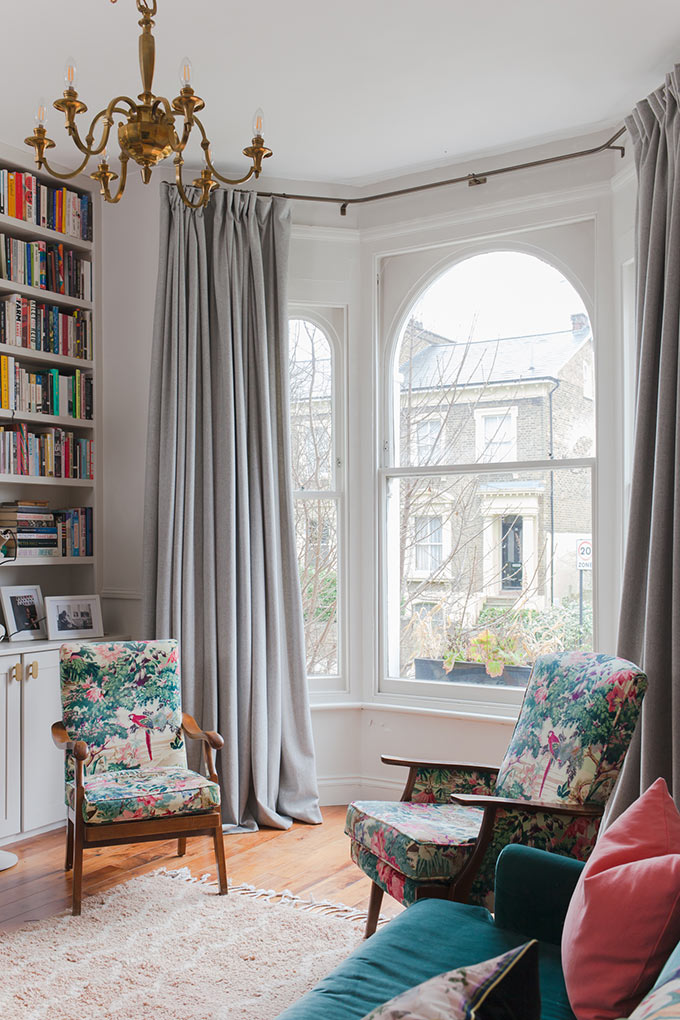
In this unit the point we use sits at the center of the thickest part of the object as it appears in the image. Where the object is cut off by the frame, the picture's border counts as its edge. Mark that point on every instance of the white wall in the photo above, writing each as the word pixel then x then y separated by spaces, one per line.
pixel 334 262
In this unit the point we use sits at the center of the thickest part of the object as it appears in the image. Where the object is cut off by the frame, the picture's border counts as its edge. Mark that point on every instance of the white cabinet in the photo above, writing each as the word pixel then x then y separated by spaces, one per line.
pixel 31 767
pixel 10 745
pixel 42 764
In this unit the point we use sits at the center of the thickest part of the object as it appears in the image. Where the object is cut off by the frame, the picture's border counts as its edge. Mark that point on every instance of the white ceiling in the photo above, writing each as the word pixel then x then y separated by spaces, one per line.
pixel 356 91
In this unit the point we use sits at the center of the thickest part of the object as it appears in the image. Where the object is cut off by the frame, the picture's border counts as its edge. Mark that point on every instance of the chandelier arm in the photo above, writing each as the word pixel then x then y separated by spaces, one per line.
pixel 88 147
pixel 205 145
pixel 104 189
pixel 70 174
pixel 205 195
pixel 183 141
pixel 227 180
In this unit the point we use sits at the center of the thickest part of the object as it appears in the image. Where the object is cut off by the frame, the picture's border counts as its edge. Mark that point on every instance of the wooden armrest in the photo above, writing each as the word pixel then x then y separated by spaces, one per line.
pixel 62 740
pixel 530 806
pixel 388 759
pixel 193 730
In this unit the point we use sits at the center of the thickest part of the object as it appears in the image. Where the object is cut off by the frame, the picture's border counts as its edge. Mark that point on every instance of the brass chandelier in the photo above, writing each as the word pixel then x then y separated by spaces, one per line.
pixel 147 134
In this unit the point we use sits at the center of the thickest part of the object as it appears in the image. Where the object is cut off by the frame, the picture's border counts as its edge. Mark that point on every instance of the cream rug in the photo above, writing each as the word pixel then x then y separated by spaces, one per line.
pixel 166 947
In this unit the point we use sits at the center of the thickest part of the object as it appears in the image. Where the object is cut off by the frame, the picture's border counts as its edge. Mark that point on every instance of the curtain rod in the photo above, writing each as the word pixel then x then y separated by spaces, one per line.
pixel 472 179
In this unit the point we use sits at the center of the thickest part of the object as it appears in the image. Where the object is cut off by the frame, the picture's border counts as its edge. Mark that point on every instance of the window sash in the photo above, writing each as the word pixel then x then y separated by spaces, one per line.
pixel 490 700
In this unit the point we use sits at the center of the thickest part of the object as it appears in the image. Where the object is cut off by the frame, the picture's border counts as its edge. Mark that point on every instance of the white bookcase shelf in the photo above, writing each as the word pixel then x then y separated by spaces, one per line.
pixel 49 561
pixel 34 418
pixel 26 480
pixel 43 358
pixel 67 575
pixel 47 297
pixel 31 232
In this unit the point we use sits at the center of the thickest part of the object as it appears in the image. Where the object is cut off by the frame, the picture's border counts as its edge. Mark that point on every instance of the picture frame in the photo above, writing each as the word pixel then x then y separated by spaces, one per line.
pixel 73 616
pixel 24 611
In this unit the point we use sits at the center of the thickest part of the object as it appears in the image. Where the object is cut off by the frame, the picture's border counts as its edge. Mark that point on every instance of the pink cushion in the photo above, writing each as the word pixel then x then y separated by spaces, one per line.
pixel 624 916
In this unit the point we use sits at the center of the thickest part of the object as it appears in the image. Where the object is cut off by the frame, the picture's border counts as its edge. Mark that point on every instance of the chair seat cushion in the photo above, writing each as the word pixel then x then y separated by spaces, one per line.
pixel 422 841
pixel 132 794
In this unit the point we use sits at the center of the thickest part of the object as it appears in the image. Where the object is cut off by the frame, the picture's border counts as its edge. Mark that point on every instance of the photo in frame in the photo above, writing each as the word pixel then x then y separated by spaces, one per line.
pixel 24 612
pixel 73 616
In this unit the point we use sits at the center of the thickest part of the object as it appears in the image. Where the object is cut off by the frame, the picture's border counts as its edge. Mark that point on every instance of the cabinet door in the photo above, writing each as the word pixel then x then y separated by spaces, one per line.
pixel 43 764
pixel 10 746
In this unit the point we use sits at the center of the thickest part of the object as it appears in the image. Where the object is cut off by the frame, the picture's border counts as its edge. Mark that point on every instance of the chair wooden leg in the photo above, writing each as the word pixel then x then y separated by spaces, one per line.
pixel 78 841
pixel 374 901
pixel 218 840
pixel 68 864
pixel 181 846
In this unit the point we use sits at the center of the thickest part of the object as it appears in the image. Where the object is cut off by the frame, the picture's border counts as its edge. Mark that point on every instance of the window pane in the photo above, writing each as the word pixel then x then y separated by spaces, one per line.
pixel 485 573
pixel 495 363
pixel 317 546
pixel 311 412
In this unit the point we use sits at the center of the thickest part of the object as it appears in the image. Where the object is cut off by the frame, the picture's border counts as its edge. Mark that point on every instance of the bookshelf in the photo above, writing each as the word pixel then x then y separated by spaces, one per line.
pixel 66 574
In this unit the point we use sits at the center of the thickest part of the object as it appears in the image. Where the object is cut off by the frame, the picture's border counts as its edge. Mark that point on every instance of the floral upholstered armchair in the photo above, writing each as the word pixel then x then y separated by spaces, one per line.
pixel 125 763
pixel 444 836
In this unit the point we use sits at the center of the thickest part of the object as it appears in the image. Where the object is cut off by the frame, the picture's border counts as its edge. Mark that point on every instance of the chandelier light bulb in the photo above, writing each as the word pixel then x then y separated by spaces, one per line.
pixel 185 73
pixel 41 113
pixel 258 122
pixel 70 74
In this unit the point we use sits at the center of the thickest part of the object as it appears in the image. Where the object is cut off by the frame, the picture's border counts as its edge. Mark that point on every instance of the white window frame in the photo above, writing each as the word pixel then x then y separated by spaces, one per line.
pixel 426 449
pixel 482 443
pixel 427 545
pixel 473 700
pixel 332 323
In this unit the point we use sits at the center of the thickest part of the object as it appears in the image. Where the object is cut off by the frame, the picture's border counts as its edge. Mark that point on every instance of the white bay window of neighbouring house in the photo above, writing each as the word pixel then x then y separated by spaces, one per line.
pixel 487 494
pixel 317 495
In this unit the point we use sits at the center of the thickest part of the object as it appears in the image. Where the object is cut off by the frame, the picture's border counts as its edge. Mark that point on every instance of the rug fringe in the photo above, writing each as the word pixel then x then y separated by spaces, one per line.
pixel 286 897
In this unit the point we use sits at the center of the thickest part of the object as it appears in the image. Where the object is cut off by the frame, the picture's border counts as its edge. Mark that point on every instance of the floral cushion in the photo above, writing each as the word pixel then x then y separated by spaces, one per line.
pixel 662 1003
pixel 577 720
pixel 131 794
pixel 422 841
pixel 123 699
pixel 506 986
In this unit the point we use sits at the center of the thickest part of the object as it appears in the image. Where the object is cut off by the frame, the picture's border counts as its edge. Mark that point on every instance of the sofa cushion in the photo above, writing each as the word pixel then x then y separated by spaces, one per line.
pixel 506 986
pixel 430 937
pixel 132 794
pixel 624 916
pixel 421 841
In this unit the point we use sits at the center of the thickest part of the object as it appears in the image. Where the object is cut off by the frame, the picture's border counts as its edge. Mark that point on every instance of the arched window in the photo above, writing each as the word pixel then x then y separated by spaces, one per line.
pixel 317 489
pixel 488 541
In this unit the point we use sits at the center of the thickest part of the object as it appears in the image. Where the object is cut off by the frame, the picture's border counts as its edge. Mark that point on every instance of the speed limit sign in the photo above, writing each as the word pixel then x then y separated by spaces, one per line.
pixel 584 554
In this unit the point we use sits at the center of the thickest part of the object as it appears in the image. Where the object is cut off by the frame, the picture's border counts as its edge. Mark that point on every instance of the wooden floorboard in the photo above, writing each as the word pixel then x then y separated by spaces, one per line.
pixel 309 860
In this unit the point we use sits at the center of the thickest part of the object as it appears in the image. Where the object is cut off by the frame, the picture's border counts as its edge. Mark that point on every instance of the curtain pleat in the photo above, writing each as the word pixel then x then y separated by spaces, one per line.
pixel 220 565
pixel 649 624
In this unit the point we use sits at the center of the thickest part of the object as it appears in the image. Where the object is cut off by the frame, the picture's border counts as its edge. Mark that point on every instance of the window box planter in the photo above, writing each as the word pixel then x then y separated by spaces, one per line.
pixel 470 673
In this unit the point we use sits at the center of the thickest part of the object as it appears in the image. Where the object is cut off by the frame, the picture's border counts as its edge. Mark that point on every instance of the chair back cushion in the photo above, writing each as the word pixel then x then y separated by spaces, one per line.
pixel 124 700
pixel 574 728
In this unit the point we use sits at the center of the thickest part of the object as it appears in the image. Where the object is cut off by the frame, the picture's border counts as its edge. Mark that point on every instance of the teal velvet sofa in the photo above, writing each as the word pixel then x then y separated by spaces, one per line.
pixel 533 889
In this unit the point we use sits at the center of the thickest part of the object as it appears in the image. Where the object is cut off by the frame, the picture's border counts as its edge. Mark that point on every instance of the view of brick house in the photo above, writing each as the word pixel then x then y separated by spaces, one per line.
pixel 471 542
pixel 463 542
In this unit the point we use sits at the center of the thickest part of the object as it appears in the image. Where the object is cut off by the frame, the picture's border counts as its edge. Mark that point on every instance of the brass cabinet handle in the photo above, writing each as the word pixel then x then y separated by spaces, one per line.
pixel 32 670
pixel 16 672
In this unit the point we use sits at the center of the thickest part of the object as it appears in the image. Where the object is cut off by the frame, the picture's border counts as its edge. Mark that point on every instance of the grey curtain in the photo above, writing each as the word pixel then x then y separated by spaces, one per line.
pixel 220 567
pixel 649 625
